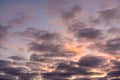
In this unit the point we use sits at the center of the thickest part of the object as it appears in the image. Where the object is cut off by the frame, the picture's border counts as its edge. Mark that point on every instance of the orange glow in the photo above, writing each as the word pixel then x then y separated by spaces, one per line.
pixel 74 48
pixel 47 69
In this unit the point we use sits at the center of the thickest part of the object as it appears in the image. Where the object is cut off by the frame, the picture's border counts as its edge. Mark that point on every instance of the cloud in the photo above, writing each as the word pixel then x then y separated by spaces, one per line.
pixel 113 45
pixel 44 47
pixel 39 34
pixel 109 46
pixel 83 69
pixel 4 63
pixel 109 15
pixel 7 77
pixel 116 65
pixel 89 33
pixel 11 70
pixel 17 58
pixel 71 14
pixel 114 73
pixel 76 26
pixel 3 32
pixel 64 12
pixel 60 56
pixel 91 61
pixel 81 31
pixel 64 71
pixel 7 29
pixel 30 76
pixel 114 31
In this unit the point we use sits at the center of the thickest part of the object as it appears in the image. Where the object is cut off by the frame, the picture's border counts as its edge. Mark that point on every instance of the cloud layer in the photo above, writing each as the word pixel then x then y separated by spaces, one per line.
pixel 86 47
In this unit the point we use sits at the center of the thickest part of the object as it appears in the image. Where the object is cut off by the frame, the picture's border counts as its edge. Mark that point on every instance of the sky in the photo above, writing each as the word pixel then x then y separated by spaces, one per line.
pixel 59 40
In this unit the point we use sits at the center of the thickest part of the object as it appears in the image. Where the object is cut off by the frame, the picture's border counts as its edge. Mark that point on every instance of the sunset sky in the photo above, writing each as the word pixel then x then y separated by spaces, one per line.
pixel 59 39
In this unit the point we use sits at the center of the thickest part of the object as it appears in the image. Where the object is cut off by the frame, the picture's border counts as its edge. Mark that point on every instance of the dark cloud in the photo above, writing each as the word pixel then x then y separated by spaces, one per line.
pixel 4 63
pixel 45 47
pixel 7 77
pixel 57 75
pixel 17 57
pixel 67 70
pixel 47 57
pixel 116 79
pixel 39 34
pixel 72 69
pixel 91 61
pixel 89 33
pixel 116 65
pixel 30 76
pixel 14 70
pixel 82 31
pixel 36 57
pixel 114 73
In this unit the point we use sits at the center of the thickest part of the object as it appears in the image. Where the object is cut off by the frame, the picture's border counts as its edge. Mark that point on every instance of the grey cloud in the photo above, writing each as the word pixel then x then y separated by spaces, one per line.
pixel 112 46
pixel 71 14
pixel 116 79
pixel 94 21
pixel 72 69
pixel 4 63
pixel 39 34
pixel 77 26
pixel 36 57
pixel 114 73
pixel 81 31
pixel 17 57
pixel 114 31
pixel 89 33
pixel 110 14
pixel 66 12
pixel 116 65
pixel 57 75
pixel 17 72
pixel 3 32
pixel 30 76
pixel 91 61
pixel 45 47
pixel 66 70
pixel 86 33
pixel 14 70
pixel 51 59
pixel 7 77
